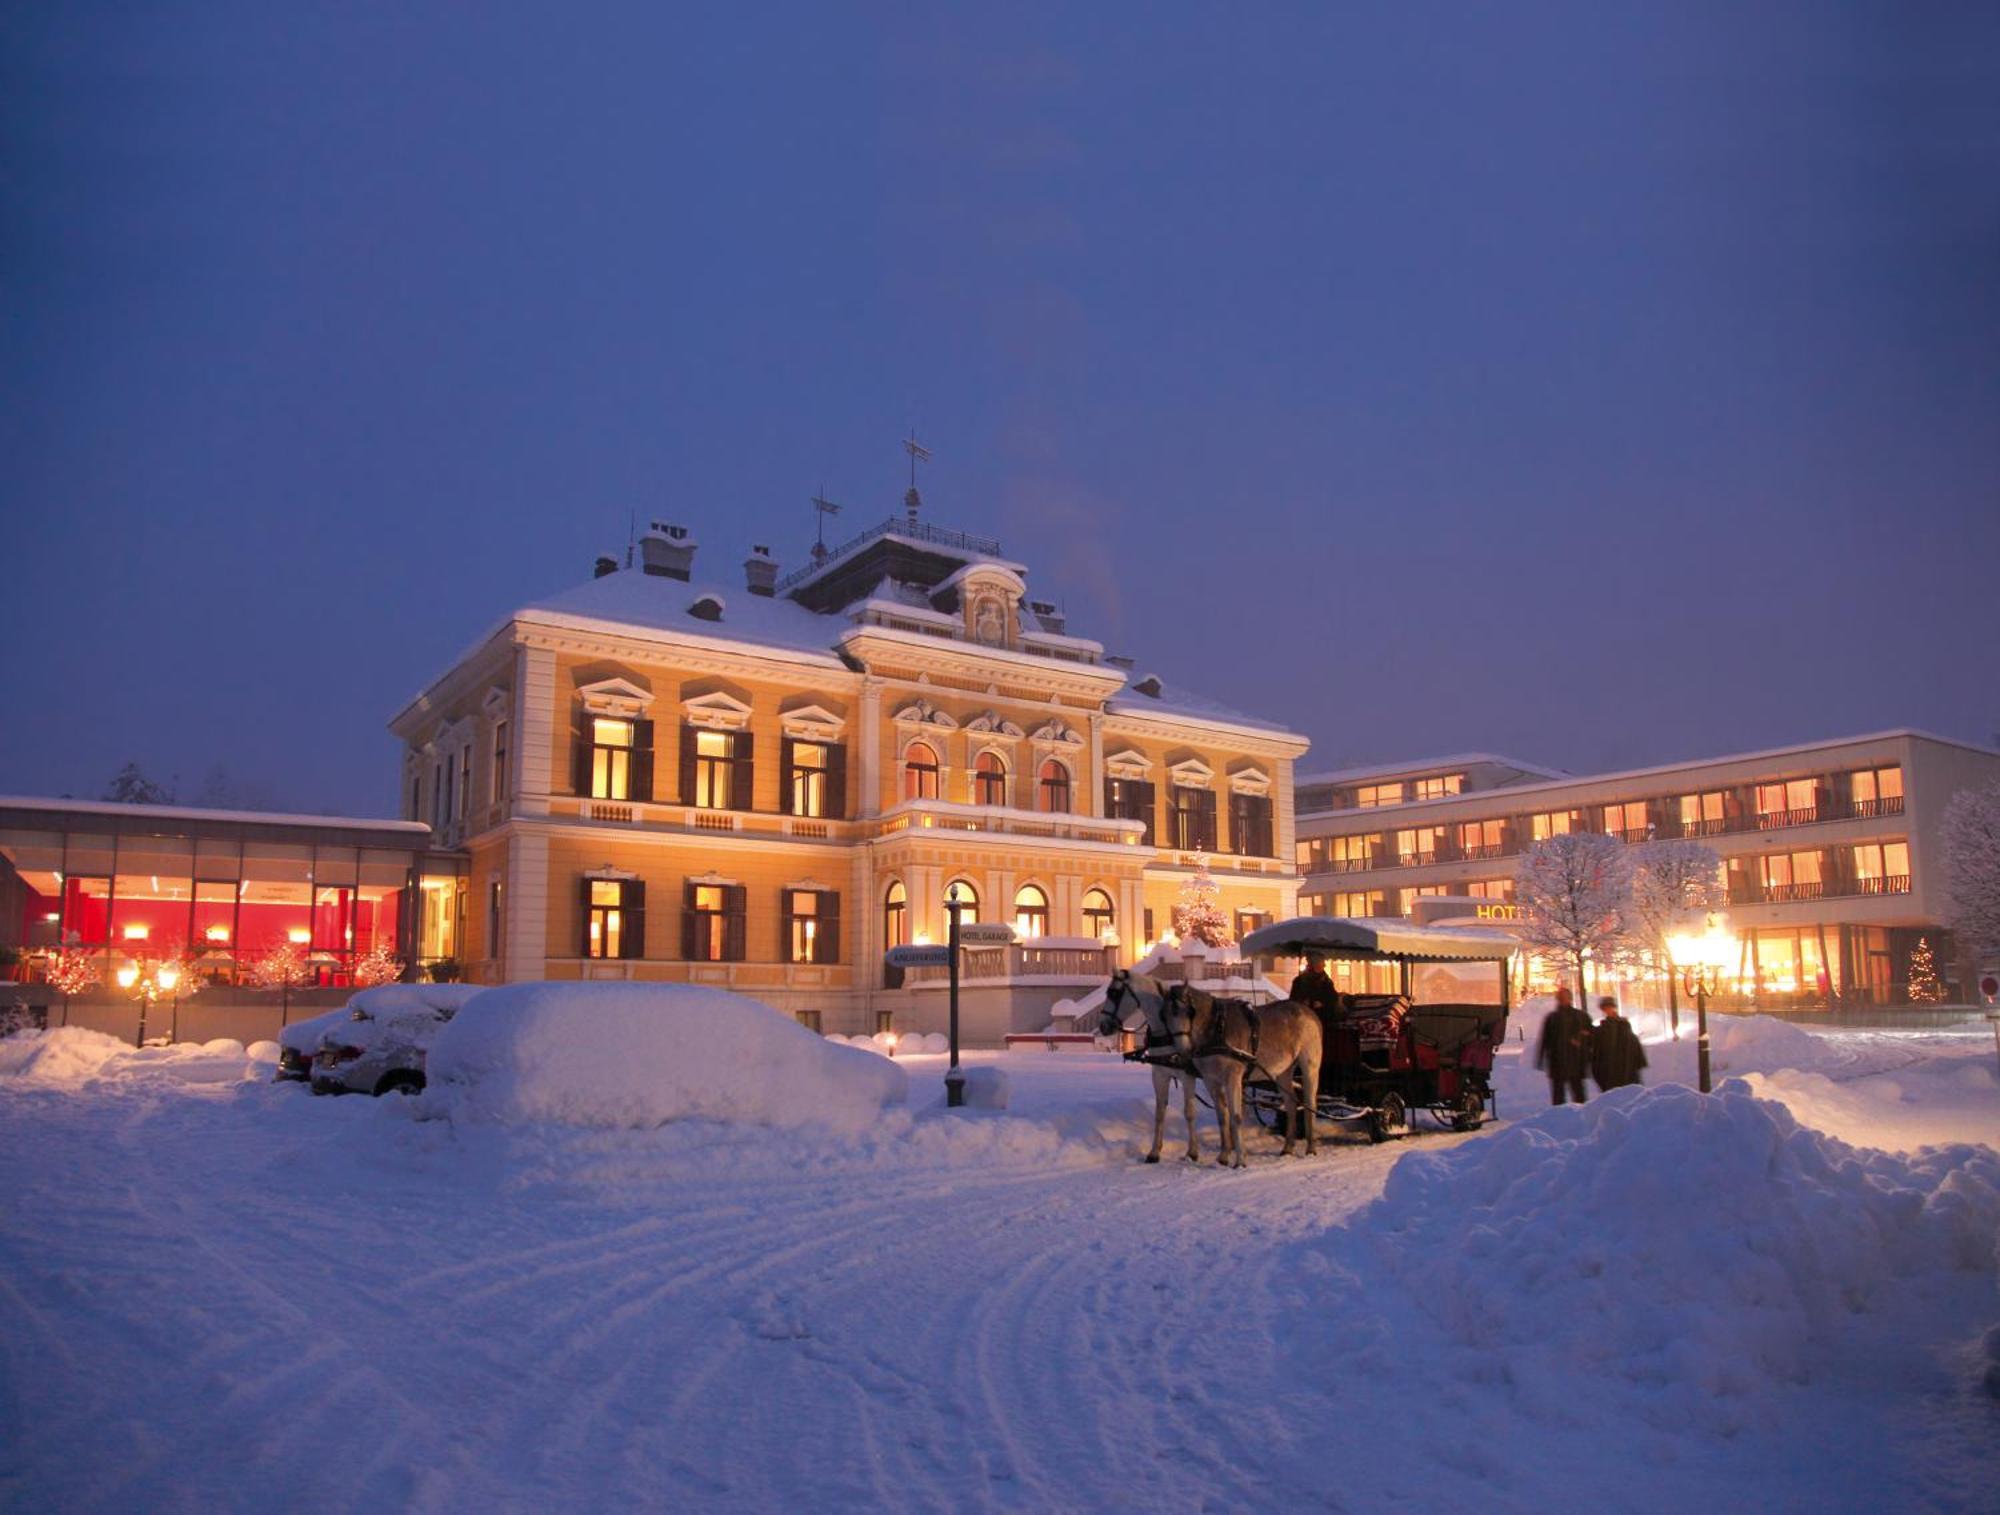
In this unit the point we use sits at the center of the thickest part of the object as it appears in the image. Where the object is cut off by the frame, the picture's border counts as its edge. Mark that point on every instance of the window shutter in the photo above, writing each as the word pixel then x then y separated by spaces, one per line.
pixel 1110 796
pixel 836 781
pixel 787 750
pixel 743 783
pixel 1149 810
pixel 583 917
pixel 579 750
pixel 785 897
pixel 687 772
pixel 687 922
pixel 733 923
pixel 642 761
pixel 826 946
pixel 633 901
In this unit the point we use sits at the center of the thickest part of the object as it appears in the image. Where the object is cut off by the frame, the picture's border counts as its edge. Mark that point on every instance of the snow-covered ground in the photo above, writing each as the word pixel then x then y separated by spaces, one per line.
pixel 220 1293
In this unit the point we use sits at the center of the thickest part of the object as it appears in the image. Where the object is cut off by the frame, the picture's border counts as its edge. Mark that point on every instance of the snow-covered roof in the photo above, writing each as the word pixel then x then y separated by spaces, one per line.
pixel 198 813
pixel 1183 704
pixel 631 598
pixel 1340 937
pixel 1427 765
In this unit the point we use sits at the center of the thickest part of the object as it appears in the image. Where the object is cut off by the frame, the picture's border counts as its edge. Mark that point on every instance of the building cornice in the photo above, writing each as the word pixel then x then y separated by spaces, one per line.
pixel 1086 683
pixel 1259 741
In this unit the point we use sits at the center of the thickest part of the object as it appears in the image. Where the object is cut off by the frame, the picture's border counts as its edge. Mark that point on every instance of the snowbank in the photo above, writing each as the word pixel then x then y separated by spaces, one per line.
pixel 72 1055
pixel 1676 1255
pixel 641 1055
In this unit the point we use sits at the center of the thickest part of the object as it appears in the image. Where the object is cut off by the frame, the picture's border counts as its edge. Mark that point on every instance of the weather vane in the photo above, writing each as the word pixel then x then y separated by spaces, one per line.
pixel 918 454
pixel 822 508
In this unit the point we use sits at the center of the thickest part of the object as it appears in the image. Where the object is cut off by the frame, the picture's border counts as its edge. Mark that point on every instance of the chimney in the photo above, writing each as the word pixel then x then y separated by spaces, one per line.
pixel 760 571
pixel 1051 618
pixel 667 551
pixel 604 566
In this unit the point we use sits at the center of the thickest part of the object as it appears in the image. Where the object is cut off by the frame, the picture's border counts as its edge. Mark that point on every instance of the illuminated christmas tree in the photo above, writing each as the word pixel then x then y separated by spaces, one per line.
pixel 69 971
pixel 1197 916
pixel 1924 986
pixel 283 968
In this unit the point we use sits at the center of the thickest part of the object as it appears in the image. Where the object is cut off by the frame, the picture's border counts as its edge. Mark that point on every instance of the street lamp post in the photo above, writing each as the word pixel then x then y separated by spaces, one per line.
pixel 954 1076
pixel 148 984
pixel 1701 960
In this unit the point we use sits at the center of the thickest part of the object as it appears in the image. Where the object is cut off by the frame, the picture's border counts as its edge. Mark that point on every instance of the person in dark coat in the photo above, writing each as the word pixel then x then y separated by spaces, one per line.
pixel 1616 1055
pixel 1313 988
pixel 1564 1050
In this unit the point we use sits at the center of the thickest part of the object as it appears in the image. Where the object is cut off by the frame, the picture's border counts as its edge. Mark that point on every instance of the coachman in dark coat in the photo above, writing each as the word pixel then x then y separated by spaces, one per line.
pixel 1312 988
pixel 1564 1050
pixel 1616 1055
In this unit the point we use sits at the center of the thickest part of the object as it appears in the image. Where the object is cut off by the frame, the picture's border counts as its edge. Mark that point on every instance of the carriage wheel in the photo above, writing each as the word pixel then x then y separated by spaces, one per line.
pixel 1388 1118
pixel 1471 1112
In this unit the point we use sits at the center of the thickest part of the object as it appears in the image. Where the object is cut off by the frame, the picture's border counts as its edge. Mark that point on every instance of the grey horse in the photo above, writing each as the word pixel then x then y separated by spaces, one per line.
pixel 1229 1039
pixel 1171 1064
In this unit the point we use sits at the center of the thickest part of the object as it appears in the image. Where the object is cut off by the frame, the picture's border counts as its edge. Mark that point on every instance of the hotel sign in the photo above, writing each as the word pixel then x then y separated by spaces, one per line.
pixel 1434 909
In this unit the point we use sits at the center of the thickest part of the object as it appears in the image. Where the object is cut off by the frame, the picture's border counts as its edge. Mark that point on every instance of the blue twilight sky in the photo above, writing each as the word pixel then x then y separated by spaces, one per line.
pixel 1600 383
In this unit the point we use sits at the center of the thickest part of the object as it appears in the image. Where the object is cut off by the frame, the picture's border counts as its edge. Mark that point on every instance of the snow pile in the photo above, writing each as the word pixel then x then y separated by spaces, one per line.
pixel 73 1055
pixel 641 1055
pixel 1673 1255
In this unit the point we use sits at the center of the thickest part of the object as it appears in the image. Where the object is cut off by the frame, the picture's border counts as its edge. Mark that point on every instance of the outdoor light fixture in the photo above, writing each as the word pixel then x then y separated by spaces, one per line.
pixel 1702 961
pixel 146 985
pixel 299 934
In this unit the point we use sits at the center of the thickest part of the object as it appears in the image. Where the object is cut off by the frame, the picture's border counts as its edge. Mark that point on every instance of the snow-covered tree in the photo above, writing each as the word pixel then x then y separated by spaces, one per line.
pixel 1575 897
pixel 1197 916
pixel 1972 865
pixel 130 786
pixel 1675 886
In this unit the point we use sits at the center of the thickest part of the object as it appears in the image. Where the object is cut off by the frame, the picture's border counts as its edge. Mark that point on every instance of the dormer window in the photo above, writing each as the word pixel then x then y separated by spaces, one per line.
pixel 707 608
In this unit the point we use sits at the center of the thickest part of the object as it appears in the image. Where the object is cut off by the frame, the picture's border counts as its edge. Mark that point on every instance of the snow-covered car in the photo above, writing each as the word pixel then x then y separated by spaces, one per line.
pixel 300 1040
pixel 381 1045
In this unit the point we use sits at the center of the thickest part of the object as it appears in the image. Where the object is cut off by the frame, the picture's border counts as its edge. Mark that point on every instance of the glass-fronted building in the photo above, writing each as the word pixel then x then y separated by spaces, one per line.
pixel 220 892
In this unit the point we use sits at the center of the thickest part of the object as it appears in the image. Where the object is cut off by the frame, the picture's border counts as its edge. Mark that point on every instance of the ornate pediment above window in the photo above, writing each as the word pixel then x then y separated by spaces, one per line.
pixel 714 880
pixel 809 886
pixel 1128 763
pixel 924 713
pixel 812 723
pixel 1192 773
pixel 607 872
pixel 992 724
pixel 716 710
pixel 615 697
pixel 1056 734
pixel 1249 779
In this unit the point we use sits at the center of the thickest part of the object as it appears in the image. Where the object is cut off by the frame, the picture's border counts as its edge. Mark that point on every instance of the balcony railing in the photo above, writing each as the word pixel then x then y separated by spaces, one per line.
pixel 1484 851
pixel 1867 810
pixel 1768 820
pixel 919 531
pixel 1791 894
pixel 945 815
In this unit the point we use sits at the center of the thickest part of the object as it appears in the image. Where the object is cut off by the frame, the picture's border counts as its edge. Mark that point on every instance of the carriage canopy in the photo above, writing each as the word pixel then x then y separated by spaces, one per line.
pixel 1334 936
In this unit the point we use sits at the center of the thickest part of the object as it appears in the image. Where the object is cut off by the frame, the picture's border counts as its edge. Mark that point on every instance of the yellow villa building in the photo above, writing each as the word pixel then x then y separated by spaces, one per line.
pixel 767 786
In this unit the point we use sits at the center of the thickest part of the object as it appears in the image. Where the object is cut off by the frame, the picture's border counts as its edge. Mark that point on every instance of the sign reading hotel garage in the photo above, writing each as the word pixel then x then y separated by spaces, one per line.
pixel 995 934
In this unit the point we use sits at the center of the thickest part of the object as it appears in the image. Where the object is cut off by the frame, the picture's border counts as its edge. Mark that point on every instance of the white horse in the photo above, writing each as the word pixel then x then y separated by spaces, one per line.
pixel 1126 996
pixel 1229 1039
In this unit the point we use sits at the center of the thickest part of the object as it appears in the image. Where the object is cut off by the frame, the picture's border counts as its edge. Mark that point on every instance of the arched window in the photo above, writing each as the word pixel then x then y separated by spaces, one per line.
pixel 989 780
pixel 968 897
pixel 1031 912
pixel 895 916
pixel 1099 919
pixel 1055 787
pixel 920 772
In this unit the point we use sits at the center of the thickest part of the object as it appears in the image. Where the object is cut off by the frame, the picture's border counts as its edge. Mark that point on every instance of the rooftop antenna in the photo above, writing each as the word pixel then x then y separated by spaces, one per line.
pixel 631 535
pixel 822 508
pixel 918 454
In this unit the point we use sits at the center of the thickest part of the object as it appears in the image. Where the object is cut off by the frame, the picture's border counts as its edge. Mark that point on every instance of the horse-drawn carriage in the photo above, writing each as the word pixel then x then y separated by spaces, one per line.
pixel 1387 1055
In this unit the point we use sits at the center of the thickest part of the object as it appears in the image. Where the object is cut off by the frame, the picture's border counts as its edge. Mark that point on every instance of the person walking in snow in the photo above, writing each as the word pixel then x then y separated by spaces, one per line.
pixel 1616 1055
pixel 1564 1050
